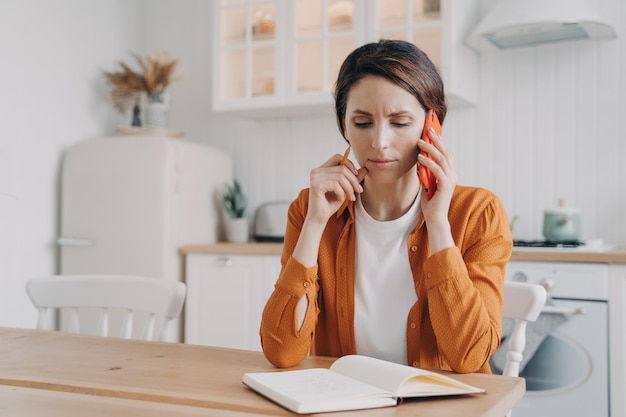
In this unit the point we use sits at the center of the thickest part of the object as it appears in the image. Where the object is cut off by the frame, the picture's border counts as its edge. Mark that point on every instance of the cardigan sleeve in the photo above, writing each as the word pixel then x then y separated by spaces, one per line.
pixel 284 342
pixel 464 287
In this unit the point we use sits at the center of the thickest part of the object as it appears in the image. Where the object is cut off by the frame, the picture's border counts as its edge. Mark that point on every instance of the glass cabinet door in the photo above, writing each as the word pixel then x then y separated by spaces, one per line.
pixel 280 57
pixel 439 28
pixel 416 21
pixel 325 32
pixel 247 49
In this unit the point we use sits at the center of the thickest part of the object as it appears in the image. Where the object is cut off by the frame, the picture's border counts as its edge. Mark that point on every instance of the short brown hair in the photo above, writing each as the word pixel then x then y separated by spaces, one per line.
pixel 400 62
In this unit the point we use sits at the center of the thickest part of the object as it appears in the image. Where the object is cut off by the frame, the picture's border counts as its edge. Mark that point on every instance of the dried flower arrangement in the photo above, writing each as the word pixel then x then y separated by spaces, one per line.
pixel 157 73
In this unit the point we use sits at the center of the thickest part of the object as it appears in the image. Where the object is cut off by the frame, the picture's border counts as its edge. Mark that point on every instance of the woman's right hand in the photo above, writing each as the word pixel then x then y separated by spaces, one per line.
pixel 331 184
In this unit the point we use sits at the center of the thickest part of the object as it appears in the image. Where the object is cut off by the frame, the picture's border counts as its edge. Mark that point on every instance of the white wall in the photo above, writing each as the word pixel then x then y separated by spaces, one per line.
pixel 558 130
pixel 549 123
pixel 52 95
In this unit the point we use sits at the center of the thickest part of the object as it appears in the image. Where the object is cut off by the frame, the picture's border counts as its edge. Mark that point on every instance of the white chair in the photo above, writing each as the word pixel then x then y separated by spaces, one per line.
pixel 523 303
pixel 124 295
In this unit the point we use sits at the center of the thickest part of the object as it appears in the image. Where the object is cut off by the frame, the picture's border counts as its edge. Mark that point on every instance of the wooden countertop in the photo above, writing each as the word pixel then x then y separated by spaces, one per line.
pixel 612 256
pixel 617 255
pixel 249 248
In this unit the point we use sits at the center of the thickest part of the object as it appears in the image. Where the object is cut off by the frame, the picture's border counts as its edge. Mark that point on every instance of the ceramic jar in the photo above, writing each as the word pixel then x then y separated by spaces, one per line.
pixel 157 111
pixel 237 229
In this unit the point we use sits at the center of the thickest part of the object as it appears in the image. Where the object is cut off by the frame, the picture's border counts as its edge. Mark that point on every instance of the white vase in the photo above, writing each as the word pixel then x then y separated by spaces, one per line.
pixel 237 229
pixel 157 111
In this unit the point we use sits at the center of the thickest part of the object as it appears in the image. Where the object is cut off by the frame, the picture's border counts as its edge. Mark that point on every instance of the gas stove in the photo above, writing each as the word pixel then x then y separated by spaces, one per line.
pixel 548 243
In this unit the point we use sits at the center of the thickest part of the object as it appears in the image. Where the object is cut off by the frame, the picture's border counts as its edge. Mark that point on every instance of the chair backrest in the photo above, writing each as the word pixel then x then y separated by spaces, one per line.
pixel 158 299
pixel 523 303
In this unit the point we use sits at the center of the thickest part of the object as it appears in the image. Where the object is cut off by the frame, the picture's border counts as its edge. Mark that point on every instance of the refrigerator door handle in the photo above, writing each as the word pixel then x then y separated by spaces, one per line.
pixel 73 241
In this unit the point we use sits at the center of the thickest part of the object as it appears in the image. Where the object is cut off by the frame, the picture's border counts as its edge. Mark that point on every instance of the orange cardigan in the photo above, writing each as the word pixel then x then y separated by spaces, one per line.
pixel 455 323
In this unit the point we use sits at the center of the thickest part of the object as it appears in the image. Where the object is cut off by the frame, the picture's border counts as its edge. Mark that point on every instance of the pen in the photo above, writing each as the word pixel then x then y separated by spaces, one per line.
pixel 345 156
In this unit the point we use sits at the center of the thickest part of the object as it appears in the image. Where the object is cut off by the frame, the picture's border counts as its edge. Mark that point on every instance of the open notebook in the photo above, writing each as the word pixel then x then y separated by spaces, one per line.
pixel 352 382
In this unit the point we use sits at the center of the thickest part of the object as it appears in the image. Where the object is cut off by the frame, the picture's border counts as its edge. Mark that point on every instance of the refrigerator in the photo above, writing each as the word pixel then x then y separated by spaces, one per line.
pixel 129 203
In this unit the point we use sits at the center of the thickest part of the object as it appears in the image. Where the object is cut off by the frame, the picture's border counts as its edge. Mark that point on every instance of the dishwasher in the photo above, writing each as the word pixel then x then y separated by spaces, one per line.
pixel 568 373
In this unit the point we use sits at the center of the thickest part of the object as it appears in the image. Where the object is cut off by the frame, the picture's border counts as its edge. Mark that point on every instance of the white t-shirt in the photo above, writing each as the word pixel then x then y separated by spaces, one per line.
pixel 384 290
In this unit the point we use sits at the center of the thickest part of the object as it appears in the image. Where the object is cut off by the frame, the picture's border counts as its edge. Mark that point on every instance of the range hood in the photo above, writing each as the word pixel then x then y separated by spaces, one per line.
pixel 519 23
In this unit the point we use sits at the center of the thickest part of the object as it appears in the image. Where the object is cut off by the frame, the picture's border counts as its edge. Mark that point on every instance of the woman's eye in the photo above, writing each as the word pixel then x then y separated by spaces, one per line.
pixel 362 124
pixel 401 121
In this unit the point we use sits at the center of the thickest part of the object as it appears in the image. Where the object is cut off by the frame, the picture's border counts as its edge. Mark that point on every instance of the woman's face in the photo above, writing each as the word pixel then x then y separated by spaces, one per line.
pixel 383 123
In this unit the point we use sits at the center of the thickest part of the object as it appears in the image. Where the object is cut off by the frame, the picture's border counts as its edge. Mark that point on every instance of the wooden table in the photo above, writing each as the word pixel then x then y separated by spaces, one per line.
pixel 60 374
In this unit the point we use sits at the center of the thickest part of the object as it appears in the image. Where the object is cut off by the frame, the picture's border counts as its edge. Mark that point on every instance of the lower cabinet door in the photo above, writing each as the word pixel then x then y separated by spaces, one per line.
pixel 225 298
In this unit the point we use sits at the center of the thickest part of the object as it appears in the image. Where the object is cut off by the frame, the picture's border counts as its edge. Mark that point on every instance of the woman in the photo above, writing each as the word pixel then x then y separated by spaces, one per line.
pixel 370 265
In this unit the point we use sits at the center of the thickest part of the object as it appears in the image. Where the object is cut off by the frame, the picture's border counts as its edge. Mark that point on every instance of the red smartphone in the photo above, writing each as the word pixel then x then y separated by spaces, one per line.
pixel 427 179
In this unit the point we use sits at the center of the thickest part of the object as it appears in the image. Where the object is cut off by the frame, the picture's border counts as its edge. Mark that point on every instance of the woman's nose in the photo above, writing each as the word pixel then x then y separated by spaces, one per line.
pixel 382 137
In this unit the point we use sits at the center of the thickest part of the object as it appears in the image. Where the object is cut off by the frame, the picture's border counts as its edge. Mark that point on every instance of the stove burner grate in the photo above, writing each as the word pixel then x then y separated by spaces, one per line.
pixel 548 243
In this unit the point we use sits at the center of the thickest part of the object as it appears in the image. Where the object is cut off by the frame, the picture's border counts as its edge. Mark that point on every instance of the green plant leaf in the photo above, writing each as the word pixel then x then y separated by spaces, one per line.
pixel 234 200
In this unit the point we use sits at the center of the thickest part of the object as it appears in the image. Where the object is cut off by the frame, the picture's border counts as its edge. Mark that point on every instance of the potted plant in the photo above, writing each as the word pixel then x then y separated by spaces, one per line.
pixel 235 203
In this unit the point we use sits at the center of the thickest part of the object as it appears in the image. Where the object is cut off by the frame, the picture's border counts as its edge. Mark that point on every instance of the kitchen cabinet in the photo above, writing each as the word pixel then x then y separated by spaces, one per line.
pixel 226 294
pixel 281 58
pixel 617 339
pixel 439 28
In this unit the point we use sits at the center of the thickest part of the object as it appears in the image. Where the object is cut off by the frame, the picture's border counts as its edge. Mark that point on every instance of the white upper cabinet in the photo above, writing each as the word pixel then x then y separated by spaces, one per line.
pixel 249 62
pixel 276 58
pixel 439 28
pixel 321 34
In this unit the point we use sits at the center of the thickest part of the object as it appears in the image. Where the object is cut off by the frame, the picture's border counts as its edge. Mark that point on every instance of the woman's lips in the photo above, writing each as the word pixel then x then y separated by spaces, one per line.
pixel 382 163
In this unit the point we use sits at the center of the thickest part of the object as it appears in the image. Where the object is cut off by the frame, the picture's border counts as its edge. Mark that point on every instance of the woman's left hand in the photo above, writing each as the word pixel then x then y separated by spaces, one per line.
pixel 435 210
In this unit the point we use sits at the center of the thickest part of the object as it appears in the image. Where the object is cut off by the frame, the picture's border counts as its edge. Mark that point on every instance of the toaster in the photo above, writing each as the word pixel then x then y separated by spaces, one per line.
pixel 270 221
